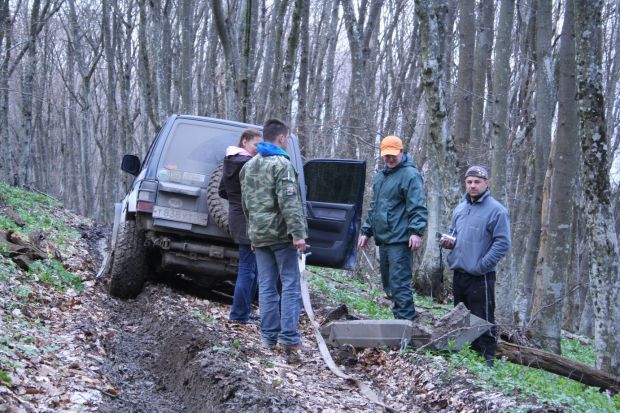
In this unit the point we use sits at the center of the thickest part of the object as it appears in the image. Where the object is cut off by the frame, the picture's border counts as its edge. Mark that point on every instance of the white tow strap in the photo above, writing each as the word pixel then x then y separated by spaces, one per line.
pixel 305 295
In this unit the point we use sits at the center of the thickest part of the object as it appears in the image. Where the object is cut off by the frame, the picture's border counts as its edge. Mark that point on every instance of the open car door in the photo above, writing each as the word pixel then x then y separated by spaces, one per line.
pixel 334 197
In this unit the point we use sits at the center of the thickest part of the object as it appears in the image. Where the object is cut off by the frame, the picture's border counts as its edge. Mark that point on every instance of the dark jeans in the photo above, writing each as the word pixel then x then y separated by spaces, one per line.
pixel 477 292
pixel 245 286
pixel 396 264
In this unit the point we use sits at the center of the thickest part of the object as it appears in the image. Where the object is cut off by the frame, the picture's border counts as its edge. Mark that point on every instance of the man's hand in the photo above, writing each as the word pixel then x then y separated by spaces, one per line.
pixel 446 243
pixel 300 244
pixel 415 242
pixel 362 242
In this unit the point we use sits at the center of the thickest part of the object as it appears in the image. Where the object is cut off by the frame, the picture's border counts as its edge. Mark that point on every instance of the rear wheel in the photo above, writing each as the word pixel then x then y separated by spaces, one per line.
pixel 218 206
pixel 129 265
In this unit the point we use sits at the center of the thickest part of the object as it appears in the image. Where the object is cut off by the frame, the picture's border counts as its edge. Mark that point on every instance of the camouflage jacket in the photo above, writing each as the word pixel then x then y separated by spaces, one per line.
pixel 271 199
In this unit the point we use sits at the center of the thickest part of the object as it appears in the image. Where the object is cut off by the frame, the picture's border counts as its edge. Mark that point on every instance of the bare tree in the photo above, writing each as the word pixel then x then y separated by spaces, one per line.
pixel 465 81
pixel 499 141
pixel 442 187
pixel 600 231
pixel 478 150
pixel 558 202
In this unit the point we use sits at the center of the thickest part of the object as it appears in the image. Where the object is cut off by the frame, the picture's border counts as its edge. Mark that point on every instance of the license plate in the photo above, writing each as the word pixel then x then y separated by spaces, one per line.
pixel 181 215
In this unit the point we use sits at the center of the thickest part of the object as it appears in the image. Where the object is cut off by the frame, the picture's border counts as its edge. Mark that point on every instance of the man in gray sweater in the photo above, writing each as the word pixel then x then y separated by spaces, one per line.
pixel 481 237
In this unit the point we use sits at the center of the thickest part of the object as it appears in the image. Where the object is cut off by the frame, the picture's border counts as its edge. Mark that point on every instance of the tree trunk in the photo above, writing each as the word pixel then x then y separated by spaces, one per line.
pixel 478 148
pixel 6 35
pixel 600 231
pixel 302 90
pixel 499 145
pixel 561 366
pixel 544 114
pixel 558 202
pixel 463 94
pixel 443 191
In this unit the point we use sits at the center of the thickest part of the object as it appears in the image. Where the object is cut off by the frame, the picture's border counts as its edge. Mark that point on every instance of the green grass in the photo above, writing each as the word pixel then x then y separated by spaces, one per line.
pixel 511 379
pixel 5 378
pixel 524 382
pixel 366 305
pixel 577 351
pixel 53 273
pixel 37 212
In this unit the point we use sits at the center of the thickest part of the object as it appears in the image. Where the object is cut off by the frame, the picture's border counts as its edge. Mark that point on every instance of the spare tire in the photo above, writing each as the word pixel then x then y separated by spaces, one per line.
pixel 218 206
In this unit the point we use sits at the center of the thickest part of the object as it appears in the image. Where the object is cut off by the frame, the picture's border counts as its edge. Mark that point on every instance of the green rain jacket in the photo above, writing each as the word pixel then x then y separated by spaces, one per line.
pixel 398 206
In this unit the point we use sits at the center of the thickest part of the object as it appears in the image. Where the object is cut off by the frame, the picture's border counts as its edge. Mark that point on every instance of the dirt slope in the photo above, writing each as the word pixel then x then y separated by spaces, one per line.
pixel 171 351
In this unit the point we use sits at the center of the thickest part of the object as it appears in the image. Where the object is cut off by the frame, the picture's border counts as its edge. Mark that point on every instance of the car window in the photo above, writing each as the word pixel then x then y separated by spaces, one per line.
pixel 194 149
pixel 334 182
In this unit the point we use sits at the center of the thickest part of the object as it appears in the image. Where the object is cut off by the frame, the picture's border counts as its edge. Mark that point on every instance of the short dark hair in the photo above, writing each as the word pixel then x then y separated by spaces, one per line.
pixel 274 127
pixel 248 135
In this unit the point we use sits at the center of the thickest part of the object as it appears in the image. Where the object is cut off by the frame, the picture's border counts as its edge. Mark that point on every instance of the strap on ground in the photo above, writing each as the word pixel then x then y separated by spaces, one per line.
pixel 305 295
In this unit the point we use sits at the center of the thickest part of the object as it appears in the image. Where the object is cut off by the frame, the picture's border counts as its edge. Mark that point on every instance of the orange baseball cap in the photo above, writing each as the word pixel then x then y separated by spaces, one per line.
pixel 391 145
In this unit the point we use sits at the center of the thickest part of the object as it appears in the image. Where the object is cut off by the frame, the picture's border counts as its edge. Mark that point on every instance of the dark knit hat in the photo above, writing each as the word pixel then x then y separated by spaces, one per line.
pixel 477 171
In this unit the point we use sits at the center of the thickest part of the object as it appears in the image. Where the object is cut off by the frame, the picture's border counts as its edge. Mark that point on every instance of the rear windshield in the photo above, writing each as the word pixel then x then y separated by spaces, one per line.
pixel 194 149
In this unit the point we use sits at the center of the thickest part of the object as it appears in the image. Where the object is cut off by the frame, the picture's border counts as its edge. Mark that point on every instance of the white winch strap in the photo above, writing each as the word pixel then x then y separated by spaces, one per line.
pixel 305 295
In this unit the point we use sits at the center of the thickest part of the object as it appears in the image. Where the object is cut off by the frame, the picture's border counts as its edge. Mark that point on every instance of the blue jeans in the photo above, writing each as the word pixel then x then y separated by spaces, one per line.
pixel 279 317
pixel 245 286
pixel 396 264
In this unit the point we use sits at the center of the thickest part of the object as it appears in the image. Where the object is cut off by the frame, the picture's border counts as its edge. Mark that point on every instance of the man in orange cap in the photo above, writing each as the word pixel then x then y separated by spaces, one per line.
pixel 397 219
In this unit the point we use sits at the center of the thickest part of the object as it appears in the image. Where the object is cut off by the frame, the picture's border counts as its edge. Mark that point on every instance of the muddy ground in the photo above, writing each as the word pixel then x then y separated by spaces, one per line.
pixel 172 349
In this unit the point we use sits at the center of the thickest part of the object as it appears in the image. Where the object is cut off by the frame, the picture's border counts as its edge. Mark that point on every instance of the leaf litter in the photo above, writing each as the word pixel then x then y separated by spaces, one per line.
pixel 169 350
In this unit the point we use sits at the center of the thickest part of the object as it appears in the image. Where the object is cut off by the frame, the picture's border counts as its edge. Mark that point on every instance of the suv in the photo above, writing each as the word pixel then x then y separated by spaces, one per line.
pixel 173 221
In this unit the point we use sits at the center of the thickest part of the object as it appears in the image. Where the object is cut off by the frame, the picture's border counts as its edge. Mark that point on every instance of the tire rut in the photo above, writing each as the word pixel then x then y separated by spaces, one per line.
pixel 164 359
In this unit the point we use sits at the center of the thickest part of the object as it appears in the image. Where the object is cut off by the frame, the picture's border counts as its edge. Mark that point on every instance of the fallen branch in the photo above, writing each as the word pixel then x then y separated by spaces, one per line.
pixel 531 357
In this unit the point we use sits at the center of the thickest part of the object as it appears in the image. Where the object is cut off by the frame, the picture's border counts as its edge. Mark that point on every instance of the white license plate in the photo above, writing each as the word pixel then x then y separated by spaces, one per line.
pixel 180 215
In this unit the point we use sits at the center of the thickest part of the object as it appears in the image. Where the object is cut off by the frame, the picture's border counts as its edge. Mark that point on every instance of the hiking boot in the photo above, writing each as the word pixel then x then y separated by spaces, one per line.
pixel 268 345
pixel 294 348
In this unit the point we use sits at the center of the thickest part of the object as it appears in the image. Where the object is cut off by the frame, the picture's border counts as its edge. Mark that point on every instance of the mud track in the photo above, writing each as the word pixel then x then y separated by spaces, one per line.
pixel 166 360
pixel 170 350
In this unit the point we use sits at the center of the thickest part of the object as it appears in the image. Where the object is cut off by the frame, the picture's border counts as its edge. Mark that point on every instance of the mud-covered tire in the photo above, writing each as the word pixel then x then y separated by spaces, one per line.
pixel 218 207
pixel 129 263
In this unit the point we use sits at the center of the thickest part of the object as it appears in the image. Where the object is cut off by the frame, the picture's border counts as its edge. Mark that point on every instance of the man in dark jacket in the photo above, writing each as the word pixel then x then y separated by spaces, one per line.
pixel 397 219
pixel 481 228
pixel 230 188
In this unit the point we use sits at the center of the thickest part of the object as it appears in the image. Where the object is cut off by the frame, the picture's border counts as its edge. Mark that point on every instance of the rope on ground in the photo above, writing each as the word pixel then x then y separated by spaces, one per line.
pixel 364 387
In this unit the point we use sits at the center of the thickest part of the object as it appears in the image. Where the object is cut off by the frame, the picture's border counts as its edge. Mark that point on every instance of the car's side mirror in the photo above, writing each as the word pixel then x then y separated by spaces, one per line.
pixel 131 164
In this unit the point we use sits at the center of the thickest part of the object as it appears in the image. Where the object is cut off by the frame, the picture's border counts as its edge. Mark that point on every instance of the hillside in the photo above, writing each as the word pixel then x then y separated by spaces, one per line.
pixel 65 345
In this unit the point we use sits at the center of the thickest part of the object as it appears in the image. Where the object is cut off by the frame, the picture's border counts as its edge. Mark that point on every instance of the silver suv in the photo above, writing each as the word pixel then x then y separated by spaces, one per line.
pixel 173 221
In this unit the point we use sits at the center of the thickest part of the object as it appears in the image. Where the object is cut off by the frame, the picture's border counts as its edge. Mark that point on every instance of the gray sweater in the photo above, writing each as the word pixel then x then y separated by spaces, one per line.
pixel 482 231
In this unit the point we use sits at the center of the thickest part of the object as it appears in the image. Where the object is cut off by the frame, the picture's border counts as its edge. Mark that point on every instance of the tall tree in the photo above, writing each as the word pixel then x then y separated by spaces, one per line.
pixel 558 202
pixel 443 187
pixel 478 148
pixel 499 141
pixel 465 80
pixel 543 106
pixel 602 240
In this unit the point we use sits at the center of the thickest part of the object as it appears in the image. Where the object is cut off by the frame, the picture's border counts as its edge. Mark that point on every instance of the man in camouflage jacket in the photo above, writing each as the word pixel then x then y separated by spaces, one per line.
pixel 277 228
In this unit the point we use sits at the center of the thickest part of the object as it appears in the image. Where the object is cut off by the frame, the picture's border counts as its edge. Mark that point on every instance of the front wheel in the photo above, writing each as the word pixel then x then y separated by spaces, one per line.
pixel 129 264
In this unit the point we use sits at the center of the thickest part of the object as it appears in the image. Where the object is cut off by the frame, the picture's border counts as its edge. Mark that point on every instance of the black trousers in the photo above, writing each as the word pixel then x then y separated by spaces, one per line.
pixel 477 292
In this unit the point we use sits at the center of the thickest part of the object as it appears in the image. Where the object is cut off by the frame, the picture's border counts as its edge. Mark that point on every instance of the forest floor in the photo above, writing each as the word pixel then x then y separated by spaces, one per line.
pixel 172 349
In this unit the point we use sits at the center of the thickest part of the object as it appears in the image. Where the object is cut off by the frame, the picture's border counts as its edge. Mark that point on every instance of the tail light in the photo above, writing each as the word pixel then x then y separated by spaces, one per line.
pixel 146 196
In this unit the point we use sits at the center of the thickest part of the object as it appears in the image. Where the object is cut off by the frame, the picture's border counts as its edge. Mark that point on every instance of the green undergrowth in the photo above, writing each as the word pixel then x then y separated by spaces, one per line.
pixel 25 293
pixel 356 294
pixel 39 213
pixel 524 383
pixel 528 383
